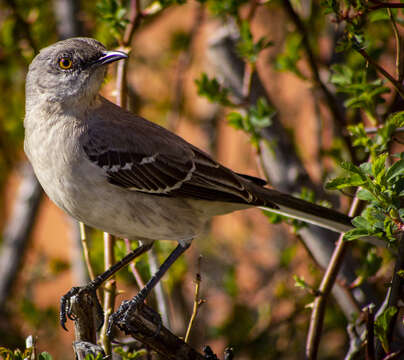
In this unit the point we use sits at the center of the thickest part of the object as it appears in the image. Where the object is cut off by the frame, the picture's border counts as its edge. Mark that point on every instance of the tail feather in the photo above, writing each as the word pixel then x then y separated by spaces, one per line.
pixel 287 205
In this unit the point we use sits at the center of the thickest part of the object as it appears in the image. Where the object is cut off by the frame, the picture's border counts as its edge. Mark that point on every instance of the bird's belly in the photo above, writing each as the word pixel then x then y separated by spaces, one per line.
pixel 126 213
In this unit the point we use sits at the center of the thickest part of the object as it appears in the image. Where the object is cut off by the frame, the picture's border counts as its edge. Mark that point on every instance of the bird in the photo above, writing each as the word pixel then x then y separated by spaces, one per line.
pixel 122 174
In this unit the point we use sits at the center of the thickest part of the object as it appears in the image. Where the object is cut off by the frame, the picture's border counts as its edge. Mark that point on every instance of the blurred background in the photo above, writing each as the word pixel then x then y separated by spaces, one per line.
pixel 248 264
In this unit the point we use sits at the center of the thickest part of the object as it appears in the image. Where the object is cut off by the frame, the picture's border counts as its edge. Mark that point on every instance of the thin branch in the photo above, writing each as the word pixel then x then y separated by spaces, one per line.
pixel 320 302
pixel 109 291
pixel 161 297
pixel 135 272
pixel 397 286
pixel 374 130
pixel 386 5
pixel 397 85
pixel 332 102
pixel 370 345
pixel 86 253
pixel 135 18
pixel 197 301
pixel 399 60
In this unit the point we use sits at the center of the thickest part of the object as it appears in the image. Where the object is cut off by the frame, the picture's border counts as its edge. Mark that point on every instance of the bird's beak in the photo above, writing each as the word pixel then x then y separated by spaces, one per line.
pixel 109 57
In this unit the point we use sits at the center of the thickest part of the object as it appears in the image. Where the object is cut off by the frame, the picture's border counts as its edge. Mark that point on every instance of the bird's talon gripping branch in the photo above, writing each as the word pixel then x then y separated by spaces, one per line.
pixel 80 292
pixel 123 313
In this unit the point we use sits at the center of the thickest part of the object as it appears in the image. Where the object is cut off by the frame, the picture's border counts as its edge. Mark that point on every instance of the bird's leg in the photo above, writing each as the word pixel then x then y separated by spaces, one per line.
pixel 122 314
pixel 92 286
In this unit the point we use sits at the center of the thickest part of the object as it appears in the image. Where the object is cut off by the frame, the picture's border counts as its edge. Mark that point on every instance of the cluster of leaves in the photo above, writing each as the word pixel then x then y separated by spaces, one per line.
pixel 256 117
pixel 288 59
pixel 382 325
pixel 7 354
pixel 246 47
pixel 361 93
pixel 114 14
pixel 381 185
pixel 213 91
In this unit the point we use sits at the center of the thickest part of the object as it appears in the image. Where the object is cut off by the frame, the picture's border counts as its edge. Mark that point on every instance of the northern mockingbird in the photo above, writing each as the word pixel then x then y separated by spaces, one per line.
pixel 120 173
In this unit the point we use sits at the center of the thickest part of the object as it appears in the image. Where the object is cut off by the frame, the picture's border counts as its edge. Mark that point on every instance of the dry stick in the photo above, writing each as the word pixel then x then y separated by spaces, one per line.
pixel 86 253
pixel 320 302
pixel 197 302
pixel 109 291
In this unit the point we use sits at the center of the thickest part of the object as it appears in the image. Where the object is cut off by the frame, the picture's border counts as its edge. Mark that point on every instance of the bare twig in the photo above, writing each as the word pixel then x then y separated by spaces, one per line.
pixel 373 130
pixel 197 301
pixel 109 291
pixel 395 293
pixel 370 343
pixel 135 272
pixel 86 253
pixel 159 292
pixel 397 85
pixel 386 5
pixel 319 307
pixel 399 62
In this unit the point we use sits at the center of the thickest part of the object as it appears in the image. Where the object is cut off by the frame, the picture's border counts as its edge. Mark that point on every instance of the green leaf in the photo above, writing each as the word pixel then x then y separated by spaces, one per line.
pixel 348 166
pixel 45 356
pixel 343 182
pixel 379 165
pixel 361 222
pixel 365 195
pixel 235 120
pixel 301 283
pixel 397 169
pixel 212 90
pixel 382 324
pixel 355 234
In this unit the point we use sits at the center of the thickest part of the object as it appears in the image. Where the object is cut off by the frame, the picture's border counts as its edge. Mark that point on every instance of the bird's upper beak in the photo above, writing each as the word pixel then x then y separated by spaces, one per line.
pixel 109 57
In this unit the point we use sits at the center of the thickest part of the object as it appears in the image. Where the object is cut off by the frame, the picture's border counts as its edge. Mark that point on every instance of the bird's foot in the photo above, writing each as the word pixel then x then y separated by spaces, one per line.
pixel 85 296
pixel 122 315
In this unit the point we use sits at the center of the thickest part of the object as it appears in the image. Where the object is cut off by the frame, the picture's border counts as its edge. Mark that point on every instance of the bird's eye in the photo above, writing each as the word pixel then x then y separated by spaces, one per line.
pixel 65 63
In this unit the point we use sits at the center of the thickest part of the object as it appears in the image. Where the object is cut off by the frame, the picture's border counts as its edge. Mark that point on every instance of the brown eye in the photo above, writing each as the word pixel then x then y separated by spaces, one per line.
pixel 65 63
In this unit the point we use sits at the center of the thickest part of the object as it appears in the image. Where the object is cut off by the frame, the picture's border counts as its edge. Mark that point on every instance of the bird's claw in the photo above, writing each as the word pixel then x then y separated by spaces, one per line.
pixel 122 315
pixel 65 303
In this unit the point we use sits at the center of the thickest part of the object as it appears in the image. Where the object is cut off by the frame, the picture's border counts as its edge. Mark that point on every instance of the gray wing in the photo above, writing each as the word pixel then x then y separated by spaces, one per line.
pixel 138 155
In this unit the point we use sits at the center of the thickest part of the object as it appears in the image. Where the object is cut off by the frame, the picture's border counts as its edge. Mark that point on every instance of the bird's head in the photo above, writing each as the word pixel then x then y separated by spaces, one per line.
pixel 69 72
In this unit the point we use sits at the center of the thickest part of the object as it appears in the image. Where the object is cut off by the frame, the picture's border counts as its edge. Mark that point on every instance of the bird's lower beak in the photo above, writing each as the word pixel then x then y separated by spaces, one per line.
pixel 110 56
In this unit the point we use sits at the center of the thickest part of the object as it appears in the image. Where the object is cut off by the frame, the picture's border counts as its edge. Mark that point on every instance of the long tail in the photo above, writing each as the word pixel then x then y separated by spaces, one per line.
pixel 287 205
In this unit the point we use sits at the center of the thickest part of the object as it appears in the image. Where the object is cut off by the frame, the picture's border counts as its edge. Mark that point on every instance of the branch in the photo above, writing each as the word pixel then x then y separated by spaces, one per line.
pixel 331 100
pixel 394 295
pixel 320 302
pixel 197 301
pixel 109 291
pixel 386 5
pixel 144 325
pixel 397 85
